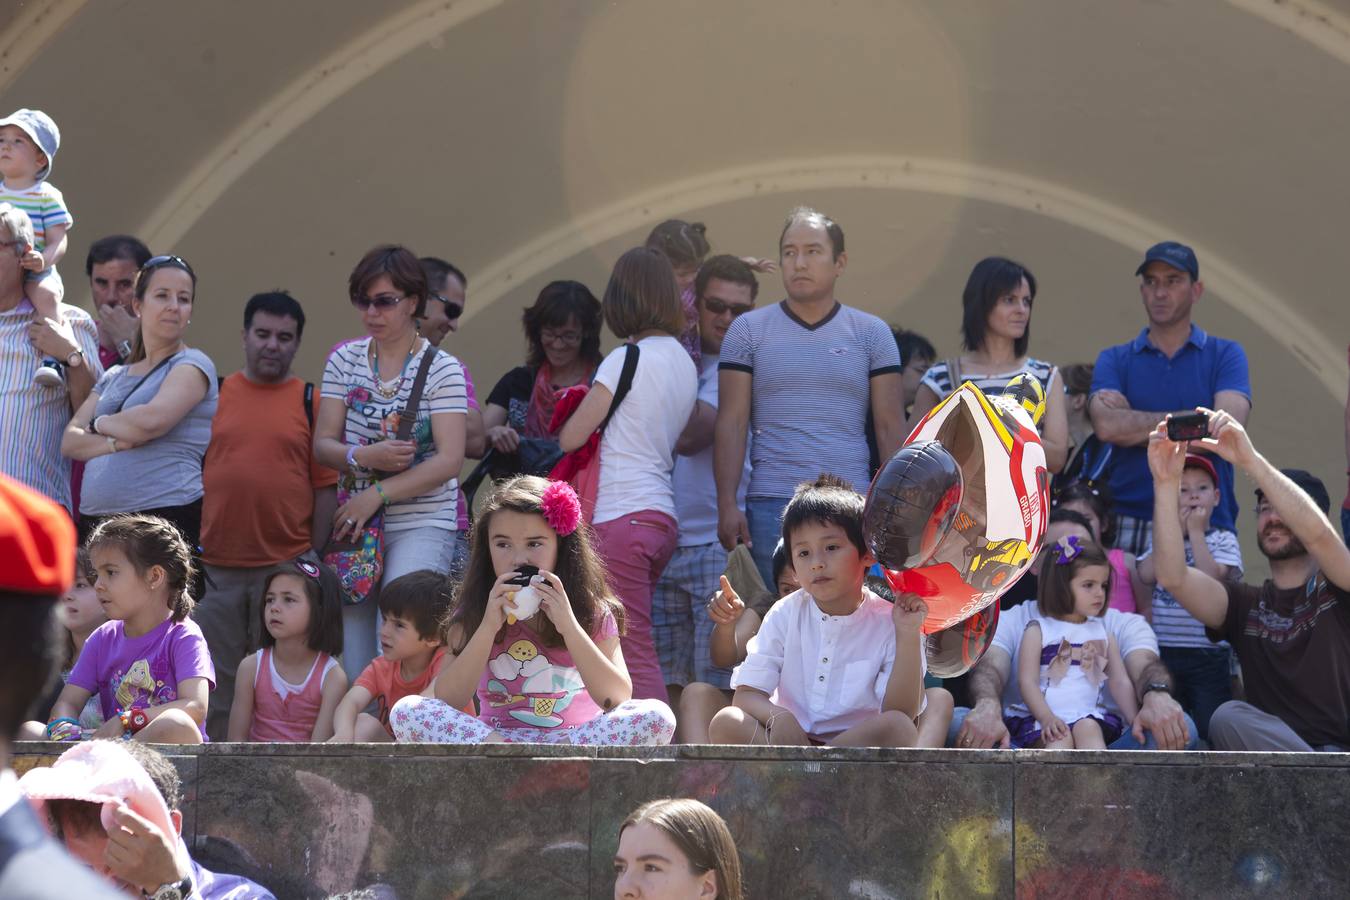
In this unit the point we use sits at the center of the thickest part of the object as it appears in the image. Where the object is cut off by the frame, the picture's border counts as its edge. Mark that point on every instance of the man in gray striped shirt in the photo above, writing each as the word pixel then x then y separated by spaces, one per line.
pixel 33 417
pixel 803 374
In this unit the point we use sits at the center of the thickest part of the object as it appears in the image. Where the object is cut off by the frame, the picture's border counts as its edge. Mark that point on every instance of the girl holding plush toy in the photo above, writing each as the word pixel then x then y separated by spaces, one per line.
pixel 543 657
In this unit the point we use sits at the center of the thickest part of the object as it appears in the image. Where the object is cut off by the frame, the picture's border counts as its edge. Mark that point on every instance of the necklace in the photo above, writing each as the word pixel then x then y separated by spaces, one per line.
pixel 389 389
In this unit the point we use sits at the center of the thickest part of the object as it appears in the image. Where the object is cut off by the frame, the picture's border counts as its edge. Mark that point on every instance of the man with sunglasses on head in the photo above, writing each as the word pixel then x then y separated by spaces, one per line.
pixel 445 304
pixel 724 289
pixel 264 422
pixel 32 417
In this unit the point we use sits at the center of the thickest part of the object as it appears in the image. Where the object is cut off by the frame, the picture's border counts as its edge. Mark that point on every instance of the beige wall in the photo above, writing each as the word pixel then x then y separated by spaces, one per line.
pixel 272 143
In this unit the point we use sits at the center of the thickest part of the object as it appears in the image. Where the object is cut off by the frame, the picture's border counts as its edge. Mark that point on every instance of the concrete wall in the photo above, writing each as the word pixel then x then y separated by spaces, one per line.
pixel 527 140
pixel 536 821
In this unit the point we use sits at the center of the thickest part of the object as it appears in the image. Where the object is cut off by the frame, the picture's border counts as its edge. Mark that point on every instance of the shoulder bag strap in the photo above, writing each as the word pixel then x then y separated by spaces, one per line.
pixel 309 403
pixel 406 421
pixel 630 361
pixel 137 386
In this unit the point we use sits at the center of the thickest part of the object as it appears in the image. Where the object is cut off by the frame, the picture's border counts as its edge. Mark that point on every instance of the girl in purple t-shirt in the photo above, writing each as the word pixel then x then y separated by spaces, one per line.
pixel 556 674
pixel 149 663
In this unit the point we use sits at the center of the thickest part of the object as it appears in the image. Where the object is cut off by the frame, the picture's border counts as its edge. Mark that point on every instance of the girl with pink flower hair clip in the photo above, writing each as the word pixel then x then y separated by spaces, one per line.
pixel 534 636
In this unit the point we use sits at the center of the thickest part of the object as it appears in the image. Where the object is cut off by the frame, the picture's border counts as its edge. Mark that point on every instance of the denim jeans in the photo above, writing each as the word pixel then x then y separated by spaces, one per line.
pixel 1202 681
pixel 1126 740
pixel 765 517
pixel 404 552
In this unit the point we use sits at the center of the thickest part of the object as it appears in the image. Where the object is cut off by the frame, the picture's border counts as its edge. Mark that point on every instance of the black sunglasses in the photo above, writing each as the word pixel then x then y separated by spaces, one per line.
pixel 379 301
pixel 452 310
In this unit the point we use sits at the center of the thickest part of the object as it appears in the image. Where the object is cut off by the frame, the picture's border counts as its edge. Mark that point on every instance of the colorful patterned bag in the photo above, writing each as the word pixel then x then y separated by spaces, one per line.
pixel 359 563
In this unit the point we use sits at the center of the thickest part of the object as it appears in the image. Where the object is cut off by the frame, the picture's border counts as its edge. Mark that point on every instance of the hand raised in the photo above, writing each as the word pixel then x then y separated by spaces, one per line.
pixel 726 607
pixel 1228 439
pixel 1166 457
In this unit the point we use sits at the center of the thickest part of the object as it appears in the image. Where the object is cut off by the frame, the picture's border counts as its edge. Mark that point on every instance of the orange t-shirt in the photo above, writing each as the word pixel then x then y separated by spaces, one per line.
pixel 259 475
pixel 381 678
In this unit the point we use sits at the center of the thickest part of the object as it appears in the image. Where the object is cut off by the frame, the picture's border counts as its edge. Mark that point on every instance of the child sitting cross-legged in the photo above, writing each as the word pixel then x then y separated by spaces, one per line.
pixel 553 674
pixel 414 607
pixel 832 663
pixel 1068 657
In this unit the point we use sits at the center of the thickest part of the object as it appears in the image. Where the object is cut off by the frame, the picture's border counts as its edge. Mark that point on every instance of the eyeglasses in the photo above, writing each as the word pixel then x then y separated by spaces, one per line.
pixel 566 338
pixel 379 301
pixel 452 310
pixel 717 308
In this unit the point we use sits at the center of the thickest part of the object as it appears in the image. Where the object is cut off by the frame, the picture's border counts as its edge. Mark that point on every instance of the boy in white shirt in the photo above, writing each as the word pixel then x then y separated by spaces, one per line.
pixel 832 663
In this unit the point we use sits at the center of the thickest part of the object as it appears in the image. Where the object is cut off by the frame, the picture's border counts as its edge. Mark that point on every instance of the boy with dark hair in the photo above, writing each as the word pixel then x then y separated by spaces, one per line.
pixel 832 663
pixel 412 639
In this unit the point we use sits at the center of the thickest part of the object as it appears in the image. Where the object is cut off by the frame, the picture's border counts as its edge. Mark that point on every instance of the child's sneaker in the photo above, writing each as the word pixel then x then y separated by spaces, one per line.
pixel 49 374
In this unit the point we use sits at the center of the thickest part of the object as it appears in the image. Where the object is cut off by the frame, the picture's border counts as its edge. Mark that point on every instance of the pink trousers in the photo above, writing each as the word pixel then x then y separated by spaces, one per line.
pixel 635 548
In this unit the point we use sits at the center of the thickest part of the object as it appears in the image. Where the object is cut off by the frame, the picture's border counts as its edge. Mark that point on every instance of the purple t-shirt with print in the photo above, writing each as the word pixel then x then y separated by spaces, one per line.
pixel 142 671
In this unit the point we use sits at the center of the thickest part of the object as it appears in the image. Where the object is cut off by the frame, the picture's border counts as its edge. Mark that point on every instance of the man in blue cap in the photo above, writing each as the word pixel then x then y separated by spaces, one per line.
pixel 1172 366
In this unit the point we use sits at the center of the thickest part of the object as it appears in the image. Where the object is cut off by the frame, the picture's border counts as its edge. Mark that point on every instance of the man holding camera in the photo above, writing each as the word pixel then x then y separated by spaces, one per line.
pixel 1291 634
pixel 1171 366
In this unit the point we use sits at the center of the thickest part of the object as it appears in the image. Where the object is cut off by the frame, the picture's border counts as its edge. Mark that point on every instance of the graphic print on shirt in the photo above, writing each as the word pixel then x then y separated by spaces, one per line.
pixel 383 416
pixel 138 689
pixel 524 675
pixel 1090 655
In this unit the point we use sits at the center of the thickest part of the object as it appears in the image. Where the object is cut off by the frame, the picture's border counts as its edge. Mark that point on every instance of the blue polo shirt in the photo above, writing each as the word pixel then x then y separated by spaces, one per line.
pixel 1204 366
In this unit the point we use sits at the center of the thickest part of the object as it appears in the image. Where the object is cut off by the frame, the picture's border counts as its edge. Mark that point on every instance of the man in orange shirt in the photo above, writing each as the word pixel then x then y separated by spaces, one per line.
pixel 266 498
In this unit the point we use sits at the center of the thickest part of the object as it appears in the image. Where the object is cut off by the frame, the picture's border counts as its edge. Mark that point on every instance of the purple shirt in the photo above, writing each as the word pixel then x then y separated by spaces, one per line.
pixel 145 671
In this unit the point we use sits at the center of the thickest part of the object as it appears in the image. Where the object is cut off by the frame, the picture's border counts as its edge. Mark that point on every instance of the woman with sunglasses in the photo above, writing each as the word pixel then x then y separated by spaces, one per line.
pixel 144 428
pixel 367 386
pixel 562 337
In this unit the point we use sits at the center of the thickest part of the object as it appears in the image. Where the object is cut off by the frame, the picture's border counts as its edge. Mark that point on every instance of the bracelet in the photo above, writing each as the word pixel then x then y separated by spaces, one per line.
pixel 93 425
pixel 63 728
pixel 351 459
pixel 379 489
pixel 133 720
pixel 112 443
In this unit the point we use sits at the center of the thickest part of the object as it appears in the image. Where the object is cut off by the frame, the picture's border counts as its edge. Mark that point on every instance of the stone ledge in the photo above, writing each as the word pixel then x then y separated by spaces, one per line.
pixel 436 820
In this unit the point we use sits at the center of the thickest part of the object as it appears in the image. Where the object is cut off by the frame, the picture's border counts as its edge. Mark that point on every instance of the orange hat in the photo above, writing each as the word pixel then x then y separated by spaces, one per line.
pixel 37 542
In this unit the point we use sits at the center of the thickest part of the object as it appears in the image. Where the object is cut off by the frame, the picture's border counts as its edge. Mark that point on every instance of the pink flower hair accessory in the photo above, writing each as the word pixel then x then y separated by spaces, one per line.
pixel 562 508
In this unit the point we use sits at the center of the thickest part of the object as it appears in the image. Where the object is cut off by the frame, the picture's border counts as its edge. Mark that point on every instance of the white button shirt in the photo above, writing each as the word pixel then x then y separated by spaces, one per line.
pixel 829 671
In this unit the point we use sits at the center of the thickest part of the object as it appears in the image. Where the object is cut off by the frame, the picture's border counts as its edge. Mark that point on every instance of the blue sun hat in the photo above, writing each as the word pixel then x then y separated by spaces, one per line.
pixel 41 130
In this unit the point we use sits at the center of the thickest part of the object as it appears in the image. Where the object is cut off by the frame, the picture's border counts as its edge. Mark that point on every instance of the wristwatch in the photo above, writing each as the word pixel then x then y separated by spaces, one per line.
pixel 1156 686
pixel 75 359
pixel 124 349
pixel 174 890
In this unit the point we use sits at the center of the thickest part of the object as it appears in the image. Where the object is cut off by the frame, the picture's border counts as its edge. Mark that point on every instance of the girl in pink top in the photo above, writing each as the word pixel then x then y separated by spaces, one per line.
pixel 1128 593
pixel 557 674
pixel 288 690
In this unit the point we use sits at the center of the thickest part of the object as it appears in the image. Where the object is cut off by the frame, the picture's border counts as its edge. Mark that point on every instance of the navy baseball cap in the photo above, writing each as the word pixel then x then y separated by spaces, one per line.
pixel 1178 256
pixel 1310 484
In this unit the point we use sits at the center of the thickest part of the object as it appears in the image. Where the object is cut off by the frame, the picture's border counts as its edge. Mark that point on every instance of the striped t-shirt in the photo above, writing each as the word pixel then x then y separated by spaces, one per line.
pixel 939 379
pixel 347 378
pixel 44 205
pixel 34 417
pixel 810 392
pixel 1174 626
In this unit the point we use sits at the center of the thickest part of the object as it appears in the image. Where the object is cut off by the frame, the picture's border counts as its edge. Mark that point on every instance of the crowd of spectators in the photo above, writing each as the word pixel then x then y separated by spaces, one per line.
pixel 224 518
